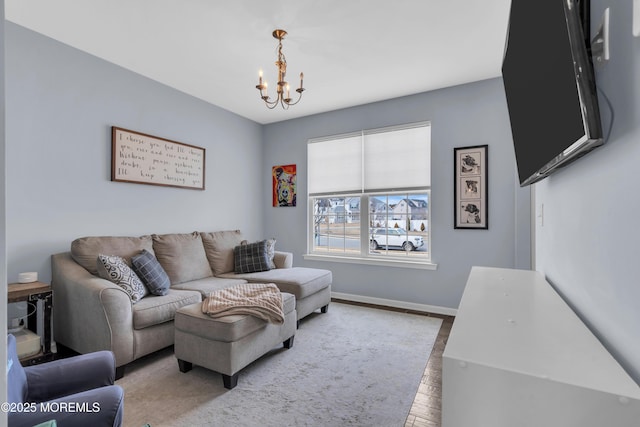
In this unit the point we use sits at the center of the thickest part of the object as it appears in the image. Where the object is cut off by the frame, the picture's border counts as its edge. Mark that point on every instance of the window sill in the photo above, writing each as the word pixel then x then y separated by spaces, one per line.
pixel 386 262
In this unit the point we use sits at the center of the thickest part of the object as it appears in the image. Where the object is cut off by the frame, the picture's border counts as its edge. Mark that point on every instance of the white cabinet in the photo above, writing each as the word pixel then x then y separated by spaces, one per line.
pixel 518 356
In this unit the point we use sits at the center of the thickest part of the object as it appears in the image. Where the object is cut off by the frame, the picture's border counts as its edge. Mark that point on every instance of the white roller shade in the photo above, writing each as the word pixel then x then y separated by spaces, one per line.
pixel 379 160
pixel 397 160
pixel 335 166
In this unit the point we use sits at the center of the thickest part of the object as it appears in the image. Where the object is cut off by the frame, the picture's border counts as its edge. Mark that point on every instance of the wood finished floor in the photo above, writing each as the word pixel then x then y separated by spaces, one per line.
pixel 427 404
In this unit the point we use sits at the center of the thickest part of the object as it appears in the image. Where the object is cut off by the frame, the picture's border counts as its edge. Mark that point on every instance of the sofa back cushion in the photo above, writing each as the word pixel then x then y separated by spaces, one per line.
pixel 219 246
pixel 85 250
pixel 182 256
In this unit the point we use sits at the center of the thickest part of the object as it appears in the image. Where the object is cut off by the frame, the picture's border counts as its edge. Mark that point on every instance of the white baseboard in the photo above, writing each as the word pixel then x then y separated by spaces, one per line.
pixel 396 304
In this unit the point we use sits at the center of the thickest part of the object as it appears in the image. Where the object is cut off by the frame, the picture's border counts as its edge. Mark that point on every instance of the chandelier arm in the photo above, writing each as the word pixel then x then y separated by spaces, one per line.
pixel 270 104
pixel 265 98
pixel 297 100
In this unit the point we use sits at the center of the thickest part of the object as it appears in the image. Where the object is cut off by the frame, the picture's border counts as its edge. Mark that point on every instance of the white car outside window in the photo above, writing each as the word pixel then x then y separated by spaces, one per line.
pixel 395 238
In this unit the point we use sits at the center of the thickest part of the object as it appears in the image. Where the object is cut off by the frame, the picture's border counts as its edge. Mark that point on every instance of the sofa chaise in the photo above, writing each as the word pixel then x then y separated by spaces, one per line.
pixel 91 313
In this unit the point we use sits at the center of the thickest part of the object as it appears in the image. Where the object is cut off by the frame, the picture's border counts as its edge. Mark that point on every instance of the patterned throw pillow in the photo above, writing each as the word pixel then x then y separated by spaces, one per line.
pixel 151 273
pixel 271 250
pixel 251 258
pixel 116 270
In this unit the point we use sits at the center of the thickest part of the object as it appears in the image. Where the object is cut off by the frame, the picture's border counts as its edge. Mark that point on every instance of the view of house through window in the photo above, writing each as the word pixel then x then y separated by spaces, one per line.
pixel 369 194
pixel 336 222
pixel 394 225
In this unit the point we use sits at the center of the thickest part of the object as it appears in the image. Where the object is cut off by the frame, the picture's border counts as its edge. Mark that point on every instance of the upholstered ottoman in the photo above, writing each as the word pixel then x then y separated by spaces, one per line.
pixel 228 344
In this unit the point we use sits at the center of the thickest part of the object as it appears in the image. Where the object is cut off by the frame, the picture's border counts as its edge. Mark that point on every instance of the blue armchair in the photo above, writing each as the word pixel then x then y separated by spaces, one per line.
pixel 77 391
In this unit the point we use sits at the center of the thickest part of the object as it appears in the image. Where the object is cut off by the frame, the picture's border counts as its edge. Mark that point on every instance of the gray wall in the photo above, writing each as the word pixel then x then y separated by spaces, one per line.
pixel 588 245
pixel 3 225
pixel 61 104
pixel 465 115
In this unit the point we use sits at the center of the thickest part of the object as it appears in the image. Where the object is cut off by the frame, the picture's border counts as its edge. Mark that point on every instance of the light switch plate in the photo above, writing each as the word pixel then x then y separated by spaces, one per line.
pixel 600 43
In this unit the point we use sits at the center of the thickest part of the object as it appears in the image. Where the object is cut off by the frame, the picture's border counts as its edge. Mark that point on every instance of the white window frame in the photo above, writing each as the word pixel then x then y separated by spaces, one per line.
pixel 365 257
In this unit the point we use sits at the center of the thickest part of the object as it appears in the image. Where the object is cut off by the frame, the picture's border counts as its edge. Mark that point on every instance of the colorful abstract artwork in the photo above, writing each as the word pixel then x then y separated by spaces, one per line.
pixel 284 185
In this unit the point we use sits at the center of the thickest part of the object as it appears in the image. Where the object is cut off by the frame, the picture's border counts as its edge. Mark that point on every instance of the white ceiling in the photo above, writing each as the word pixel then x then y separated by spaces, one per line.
pixel 352 52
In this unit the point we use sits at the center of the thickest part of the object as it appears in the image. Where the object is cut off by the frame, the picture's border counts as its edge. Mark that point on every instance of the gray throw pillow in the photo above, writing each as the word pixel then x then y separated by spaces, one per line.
pixel 151 273
pixel 251 258
pixel 116 270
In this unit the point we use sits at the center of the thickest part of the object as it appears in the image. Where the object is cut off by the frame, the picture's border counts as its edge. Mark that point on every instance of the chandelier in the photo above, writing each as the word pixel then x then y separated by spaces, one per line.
pixel 283 90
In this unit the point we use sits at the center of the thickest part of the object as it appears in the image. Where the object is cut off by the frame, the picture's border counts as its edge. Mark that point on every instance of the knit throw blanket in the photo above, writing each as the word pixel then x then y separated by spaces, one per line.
pixel 262 300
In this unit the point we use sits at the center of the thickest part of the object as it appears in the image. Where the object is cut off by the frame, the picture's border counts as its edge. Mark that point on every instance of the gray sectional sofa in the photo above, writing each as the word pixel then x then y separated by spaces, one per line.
pixel 91 313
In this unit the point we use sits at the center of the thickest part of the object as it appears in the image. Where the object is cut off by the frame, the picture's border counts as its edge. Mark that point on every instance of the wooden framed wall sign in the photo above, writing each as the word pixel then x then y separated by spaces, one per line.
pixel 471 199
pixel 145 159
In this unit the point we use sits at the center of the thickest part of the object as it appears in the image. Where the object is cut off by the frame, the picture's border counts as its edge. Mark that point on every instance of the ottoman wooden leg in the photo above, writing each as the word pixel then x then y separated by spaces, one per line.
pixel 230 381
pixel 288 343
pixel 184 365
pixel 324 308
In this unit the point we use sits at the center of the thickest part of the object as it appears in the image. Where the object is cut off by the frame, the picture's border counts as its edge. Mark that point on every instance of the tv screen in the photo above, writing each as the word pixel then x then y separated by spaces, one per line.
pixel 549 86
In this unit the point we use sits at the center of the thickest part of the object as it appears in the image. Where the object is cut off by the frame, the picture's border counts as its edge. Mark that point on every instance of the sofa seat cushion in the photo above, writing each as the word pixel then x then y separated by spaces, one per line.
pixel 154 309
pixel 232 328
pixel 182 256
pixel 300 281
pixel 208 284
pixel 85 250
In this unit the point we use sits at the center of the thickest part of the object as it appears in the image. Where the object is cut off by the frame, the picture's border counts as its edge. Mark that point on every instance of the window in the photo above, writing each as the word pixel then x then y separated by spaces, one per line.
pixel 369 194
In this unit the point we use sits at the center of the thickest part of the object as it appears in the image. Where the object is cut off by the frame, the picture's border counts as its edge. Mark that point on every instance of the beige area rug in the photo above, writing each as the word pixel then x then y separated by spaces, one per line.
pixel 353 366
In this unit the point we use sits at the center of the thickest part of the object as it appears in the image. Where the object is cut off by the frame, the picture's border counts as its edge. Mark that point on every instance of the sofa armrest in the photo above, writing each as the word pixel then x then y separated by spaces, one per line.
pixel 90 313
pixel 283 259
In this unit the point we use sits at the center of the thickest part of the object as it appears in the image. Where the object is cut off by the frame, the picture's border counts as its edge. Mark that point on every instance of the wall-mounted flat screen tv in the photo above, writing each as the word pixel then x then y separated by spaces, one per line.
pixel 549 86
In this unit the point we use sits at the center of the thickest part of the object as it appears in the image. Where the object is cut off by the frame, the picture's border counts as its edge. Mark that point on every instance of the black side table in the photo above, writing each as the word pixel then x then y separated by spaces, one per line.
pixel 32 292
